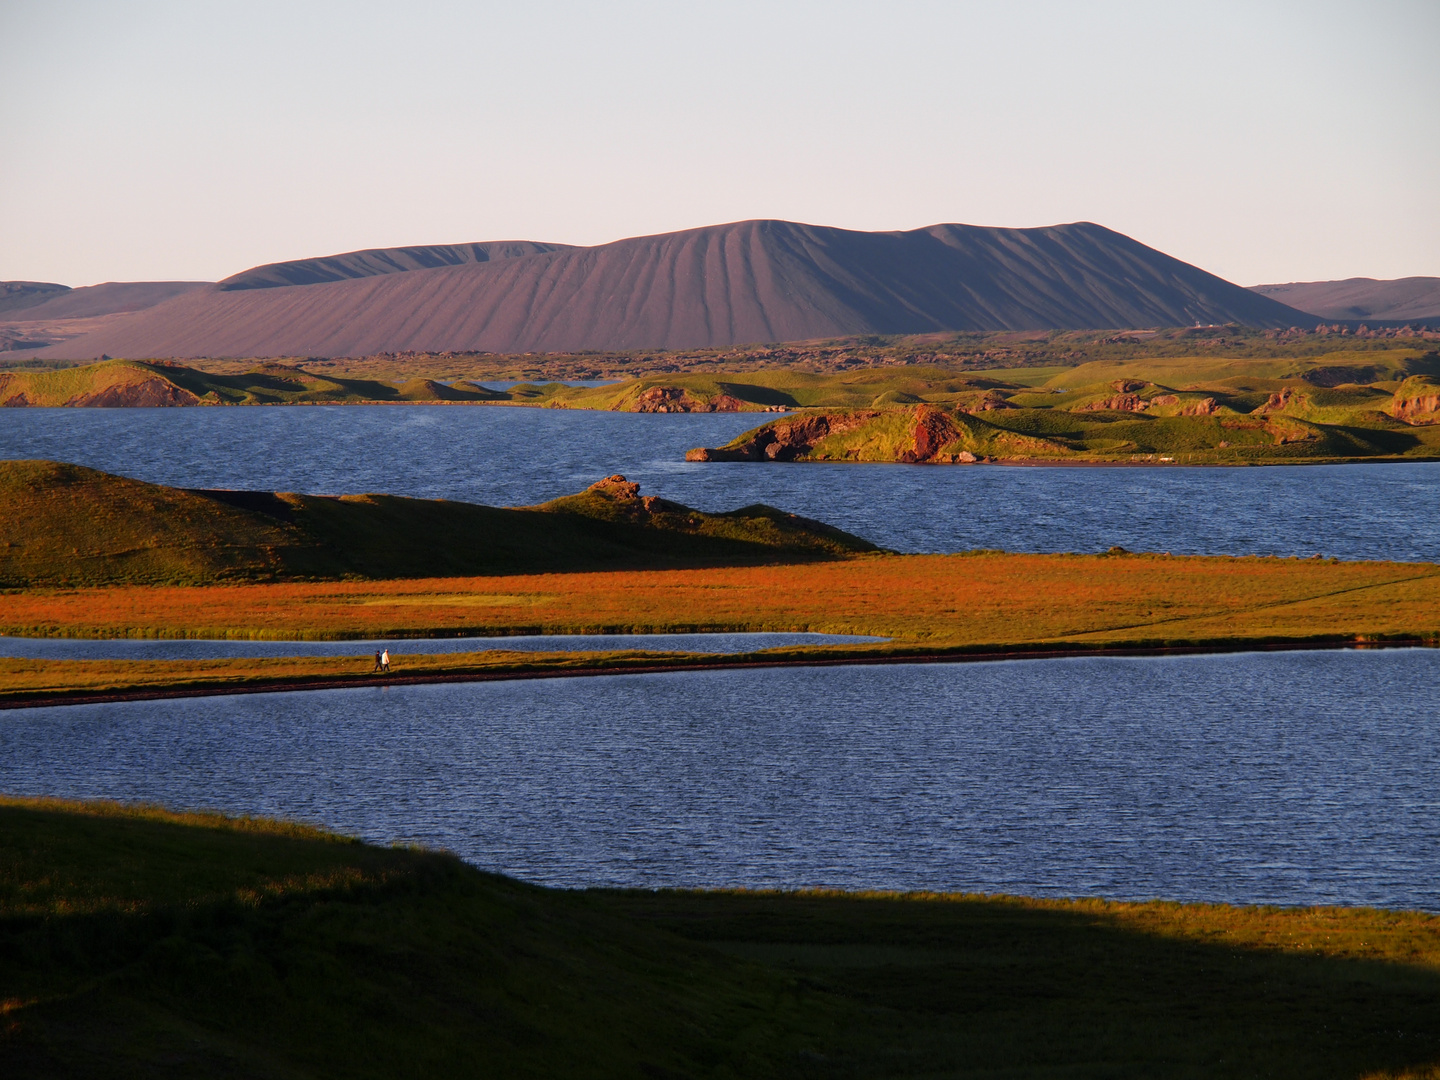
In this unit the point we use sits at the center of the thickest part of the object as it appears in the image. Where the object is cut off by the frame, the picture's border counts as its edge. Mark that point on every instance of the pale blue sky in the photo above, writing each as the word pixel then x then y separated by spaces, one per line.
pixel 1265 141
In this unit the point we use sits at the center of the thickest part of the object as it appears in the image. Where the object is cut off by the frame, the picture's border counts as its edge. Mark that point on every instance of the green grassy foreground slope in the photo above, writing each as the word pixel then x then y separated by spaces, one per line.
pixel 68 525
pixel 139 943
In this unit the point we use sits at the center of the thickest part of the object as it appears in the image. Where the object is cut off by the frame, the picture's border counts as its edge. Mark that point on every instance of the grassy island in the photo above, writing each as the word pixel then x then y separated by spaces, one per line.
pixel 1353 407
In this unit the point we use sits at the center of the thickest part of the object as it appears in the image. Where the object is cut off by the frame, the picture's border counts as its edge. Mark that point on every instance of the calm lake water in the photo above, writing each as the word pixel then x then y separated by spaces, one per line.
pixel 515 456
pixel 200 649
pixel 1283 778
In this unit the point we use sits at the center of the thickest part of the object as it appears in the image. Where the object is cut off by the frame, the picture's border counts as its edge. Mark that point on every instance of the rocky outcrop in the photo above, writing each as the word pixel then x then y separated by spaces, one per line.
pixel 989 401
pixel 1204 407
pixel 1417 401
pixel 627 493
pixel 1118 403
pixel 933 430
pixel 785 440
pixel 146 393
pixel 677 399
pixel 1282 399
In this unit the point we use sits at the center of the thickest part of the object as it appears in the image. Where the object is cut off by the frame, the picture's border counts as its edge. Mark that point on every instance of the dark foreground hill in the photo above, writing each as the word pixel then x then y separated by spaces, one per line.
pixel 68 525
pixel 1409 299
pixel 751 281
pixel 139 943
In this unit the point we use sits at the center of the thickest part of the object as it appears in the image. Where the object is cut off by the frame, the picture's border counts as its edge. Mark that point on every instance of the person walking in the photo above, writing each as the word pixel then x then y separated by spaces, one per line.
pixel 377 659
pixel 385 660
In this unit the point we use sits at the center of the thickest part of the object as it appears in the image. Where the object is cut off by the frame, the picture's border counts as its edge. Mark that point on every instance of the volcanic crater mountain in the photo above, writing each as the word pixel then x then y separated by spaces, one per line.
pixel 745 282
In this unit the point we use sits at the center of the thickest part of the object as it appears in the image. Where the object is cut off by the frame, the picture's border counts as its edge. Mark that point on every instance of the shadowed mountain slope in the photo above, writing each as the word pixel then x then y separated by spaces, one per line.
pixel 1362 298
pixel 375 261
pixel 751 281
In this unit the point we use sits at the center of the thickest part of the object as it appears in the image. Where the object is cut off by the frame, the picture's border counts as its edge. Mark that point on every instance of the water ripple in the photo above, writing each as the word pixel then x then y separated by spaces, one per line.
pixel 1281 778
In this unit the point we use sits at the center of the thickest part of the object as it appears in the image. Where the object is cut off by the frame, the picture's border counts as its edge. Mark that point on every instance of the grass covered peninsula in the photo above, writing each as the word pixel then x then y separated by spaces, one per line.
pixel 87 554
pixel 927 606
pixel 143 943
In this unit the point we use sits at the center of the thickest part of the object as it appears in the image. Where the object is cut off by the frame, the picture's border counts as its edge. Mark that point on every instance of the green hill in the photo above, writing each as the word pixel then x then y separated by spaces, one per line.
pixel 68 525
pixel 1182 410
pixel 149 383
pixel 135 942
pixel 119 383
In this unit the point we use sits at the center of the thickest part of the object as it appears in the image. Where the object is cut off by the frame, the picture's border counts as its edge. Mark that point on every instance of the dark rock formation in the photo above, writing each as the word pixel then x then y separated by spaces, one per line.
pixel 1118 403
pixel 784 440
pixel 676 399
pixel 1280 401
pixel 1417 401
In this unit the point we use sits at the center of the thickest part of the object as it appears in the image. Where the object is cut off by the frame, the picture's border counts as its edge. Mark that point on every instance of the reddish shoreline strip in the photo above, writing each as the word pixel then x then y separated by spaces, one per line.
pixel 160 693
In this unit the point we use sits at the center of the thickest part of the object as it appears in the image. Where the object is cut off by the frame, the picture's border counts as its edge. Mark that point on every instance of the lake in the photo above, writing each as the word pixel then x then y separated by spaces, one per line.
pixel 1287 778
pixel 517 456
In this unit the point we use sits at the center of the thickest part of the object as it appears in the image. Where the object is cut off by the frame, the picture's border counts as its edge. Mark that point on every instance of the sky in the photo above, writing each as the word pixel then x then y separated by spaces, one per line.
pixel 1266 140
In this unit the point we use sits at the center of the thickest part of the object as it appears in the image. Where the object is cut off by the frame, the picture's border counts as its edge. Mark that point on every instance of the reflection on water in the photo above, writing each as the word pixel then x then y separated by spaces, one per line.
pixel 508 456
pixel 150 649
pixel 1261 778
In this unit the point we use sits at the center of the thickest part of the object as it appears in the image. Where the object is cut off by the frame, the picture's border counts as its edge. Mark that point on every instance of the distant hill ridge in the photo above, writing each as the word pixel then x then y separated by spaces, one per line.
pixel 1368 299
pixel 744 282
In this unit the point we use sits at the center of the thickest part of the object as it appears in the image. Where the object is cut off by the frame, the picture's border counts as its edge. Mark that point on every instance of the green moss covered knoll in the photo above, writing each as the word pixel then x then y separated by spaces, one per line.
pixel 141 943
pixel 110 384
pixel 430 390
pixel 119 383
pixel 68 525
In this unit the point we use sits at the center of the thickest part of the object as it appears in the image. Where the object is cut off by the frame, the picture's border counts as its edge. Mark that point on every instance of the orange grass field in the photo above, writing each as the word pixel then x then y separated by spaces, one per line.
pixel 926 604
